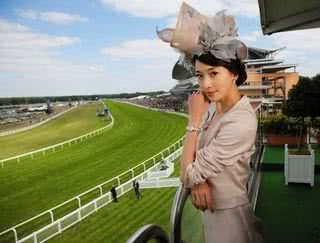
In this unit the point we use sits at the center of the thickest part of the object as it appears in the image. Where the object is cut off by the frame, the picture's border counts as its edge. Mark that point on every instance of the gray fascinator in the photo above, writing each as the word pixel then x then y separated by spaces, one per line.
pixel 197 34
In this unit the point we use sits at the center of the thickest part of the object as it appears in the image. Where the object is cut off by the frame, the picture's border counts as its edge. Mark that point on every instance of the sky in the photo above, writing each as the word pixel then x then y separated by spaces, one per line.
pixel 84 47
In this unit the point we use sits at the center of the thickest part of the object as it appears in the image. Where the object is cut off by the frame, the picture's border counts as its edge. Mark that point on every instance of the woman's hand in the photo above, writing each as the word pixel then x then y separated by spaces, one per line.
pixel 198 104
pixel 202 197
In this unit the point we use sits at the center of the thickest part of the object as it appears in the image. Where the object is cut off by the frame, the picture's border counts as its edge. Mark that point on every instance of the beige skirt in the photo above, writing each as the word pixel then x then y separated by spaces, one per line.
pixel 238 224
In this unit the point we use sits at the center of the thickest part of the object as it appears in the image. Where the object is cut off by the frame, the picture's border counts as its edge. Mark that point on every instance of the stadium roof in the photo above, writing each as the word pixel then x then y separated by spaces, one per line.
pixel 287 15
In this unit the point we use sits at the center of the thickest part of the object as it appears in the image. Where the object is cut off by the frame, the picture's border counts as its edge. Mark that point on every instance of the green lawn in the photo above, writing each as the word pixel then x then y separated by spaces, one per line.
pixel 275 154
pixel 39 184
pixel 74 123
pixel 118 221
pixel 290 213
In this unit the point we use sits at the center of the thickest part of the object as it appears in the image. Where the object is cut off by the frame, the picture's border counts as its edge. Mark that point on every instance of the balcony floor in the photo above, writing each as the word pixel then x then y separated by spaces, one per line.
pixel 290 213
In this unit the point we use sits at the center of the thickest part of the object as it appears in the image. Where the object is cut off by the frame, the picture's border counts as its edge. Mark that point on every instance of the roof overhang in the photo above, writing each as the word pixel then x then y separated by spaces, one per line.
pixel 288 15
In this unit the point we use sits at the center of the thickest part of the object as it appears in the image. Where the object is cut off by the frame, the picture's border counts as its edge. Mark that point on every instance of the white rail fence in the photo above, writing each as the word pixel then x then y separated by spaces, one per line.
pixel 34 125
pixel 160 182
pixel 60 145
pixel 57 225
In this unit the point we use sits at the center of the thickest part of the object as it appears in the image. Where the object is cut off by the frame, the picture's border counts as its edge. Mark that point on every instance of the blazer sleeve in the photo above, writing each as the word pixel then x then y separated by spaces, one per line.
pixel 234 141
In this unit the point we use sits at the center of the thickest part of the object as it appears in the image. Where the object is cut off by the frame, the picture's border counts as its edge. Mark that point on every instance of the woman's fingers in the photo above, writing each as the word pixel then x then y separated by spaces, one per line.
pixel 194 201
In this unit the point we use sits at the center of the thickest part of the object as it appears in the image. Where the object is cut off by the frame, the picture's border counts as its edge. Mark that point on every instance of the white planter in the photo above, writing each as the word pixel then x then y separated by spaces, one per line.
pixel 299 168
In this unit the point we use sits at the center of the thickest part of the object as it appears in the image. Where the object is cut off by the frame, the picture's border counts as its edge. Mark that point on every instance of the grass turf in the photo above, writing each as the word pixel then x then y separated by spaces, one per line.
pixel 275 154
pixel 118 221
pixel 74 123
pixel 290 213
pixel 36 185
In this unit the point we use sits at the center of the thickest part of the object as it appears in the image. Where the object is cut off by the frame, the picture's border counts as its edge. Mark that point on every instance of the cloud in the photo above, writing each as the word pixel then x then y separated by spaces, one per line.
pixel 306 40
pixel 31 64
pixel 164 8
pixel 143 49
pixel 52 17
pixel 252 37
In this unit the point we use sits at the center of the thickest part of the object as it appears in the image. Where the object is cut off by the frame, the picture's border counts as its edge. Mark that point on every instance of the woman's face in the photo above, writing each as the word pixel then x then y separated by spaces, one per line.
pixel 215 82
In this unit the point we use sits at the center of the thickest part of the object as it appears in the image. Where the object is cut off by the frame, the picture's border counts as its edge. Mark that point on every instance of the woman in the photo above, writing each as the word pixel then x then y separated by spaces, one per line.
pixel 218 145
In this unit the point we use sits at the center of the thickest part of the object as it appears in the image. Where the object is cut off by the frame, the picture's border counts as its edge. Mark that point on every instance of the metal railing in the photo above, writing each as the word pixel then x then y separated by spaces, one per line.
pixel 149 232
pixel 182 194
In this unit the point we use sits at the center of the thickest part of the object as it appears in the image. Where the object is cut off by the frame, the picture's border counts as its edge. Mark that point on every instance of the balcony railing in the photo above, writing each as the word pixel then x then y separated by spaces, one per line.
pixel 185 220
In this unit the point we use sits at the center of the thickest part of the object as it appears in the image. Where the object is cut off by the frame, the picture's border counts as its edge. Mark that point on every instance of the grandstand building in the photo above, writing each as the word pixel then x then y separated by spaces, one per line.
pixel 269 79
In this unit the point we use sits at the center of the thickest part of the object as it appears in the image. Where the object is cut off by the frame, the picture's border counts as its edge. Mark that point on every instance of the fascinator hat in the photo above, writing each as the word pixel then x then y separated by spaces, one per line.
pixel 196 34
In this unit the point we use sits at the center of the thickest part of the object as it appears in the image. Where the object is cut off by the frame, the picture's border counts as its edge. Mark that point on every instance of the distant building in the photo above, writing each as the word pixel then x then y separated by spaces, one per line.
pixel 269 79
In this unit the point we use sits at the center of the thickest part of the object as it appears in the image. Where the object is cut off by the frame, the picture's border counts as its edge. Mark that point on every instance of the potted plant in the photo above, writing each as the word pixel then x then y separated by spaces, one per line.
pixel 280 130
pixel 302 103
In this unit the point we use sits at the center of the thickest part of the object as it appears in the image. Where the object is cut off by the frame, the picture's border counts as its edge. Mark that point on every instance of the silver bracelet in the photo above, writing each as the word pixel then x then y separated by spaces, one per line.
pixel 192 128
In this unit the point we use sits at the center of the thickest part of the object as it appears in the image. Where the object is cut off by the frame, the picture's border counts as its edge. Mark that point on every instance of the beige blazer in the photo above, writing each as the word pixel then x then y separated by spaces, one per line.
pixel 223 152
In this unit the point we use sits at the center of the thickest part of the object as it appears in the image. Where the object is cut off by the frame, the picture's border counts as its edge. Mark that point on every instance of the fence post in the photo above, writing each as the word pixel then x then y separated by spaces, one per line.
pixel 31 155
pixel 79 201
pixel 35 238
pixel 15 234
pixel 118 180
pixel 51 215
pixel 59 226
pixel 101 191
pixel 132 172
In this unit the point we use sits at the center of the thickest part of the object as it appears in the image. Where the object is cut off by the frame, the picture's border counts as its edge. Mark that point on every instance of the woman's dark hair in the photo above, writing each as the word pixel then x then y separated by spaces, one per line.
pixel 235 66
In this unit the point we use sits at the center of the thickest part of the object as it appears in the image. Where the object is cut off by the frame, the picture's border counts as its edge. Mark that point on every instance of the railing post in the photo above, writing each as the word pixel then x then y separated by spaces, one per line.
pixel 18 159
pixel 118 180
pixel 15 234
pixel 101 191
pixel 132 172
pixel 51 216
pixel 31 155
pixel 35 238
pixel 79 201
pixel 59 226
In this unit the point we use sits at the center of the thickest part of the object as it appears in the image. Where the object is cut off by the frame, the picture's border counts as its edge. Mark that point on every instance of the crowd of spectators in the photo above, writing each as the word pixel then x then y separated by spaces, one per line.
pixel 171 103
